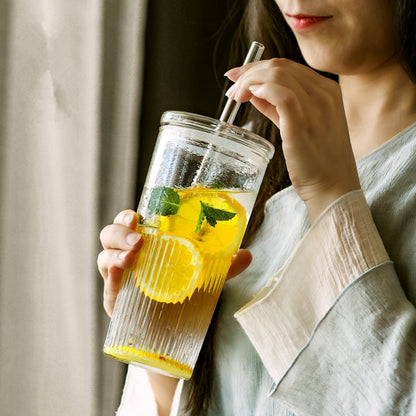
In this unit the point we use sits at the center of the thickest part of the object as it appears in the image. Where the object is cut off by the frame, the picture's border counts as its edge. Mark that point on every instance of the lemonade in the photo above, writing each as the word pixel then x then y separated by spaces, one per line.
pixel 189 242
pixel 199 192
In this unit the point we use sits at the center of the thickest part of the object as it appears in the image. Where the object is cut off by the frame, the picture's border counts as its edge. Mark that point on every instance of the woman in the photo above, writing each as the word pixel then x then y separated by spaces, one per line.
pixel 332 326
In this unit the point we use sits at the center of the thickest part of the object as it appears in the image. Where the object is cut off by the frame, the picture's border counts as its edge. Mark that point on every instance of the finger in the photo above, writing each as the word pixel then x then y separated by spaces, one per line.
pixel 267 109
pixel 116 236
pixel 111 288
pixel 127 217
pixel 117 258
pixel 306 75
pixel 279 103
pixel 299 78
pixel 234 73
pixel 241 261
pixel 239 90
pixel 278 76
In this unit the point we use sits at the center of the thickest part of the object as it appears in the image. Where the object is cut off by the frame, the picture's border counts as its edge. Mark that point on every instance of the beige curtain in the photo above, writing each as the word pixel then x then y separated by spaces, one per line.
pixel 70 73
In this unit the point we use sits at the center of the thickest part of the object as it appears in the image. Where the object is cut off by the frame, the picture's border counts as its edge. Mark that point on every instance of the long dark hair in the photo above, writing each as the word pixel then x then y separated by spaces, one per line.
pixel 262 21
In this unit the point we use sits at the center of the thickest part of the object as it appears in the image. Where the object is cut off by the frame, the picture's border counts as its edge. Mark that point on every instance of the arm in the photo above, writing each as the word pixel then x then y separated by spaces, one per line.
pixel 163 389
pixel 334 327
pixel 347 344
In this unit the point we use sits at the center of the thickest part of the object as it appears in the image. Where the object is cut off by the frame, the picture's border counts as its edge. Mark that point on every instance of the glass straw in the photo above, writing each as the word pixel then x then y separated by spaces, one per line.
pixel 231 107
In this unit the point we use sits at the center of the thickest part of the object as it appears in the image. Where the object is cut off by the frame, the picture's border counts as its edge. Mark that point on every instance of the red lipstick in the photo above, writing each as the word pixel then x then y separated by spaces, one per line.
pixel 301 22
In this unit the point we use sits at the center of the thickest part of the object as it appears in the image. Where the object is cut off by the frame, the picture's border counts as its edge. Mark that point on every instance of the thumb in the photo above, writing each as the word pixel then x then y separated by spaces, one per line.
pixel 241 261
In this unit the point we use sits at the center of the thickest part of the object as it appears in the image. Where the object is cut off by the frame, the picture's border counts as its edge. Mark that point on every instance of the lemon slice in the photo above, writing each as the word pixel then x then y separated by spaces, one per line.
pixel 222 239
pixel 168 266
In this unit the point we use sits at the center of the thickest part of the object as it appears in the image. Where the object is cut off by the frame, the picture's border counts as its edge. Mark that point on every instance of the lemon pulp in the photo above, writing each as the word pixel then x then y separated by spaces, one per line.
pixel 173 261
pixel 168 266
pixel 172 291
pixel 222 239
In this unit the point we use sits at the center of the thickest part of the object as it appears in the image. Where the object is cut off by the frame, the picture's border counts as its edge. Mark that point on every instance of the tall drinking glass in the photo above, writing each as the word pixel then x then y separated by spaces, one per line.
pixel 198 196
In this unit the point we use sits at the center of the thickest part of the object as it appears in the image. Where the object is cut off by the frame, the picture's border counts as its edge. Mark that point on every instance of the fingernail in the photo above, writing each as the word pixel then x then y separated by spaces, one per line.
pixel 128 218
pixel 233 72
pixel 231 91
pixel 133 238
pixel 124 218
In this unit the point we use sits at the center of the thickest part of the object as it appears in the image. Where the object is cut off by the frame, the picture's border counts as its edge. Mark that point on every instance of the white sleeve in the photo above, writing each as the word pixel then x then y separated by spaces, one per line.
pixel 137 396
pixel 341 245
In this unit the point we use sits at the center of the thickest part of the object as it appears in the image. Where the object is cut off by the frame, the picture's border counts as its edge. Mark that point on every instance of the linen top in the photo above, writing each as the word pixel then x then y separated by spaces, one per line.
pixel 323 322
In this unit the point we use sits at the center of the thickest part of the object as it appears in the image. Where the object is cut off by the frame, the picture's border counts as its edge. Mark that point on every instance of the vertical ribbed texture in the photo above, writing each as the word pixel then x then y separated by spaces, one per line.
pixel 168 336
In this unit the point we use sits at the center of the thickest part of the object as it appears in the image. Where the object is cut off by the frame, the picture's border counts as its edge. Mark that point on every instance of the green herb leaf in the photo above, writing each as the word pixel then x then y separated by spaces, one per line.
pixel 164 201
pixel 200 219
pixel 212 215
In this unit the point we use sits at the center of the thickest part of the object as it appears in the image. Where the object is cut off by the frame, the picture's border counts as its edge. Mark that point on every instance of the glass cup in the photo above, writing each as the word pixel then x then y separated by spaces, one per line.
pixel 198 196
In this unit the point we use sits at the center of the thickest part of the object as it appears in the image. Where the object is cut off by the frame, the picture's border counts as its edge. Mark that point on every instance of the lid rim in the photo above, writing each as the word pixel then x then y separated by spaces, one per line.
pixel 251 140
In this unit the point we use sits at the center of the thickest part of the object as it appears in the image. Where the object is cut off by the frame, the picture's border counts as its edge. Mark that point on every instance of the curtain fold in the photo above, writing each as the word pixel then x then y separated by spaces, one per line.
pixel 63 173
pixel 83 84
pixel 124 23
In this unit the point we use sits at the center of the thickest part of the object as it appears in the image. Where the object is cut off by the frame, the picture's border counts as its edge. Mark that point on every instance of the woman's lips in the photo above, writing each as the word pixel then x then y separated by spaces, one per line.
pixel 302 22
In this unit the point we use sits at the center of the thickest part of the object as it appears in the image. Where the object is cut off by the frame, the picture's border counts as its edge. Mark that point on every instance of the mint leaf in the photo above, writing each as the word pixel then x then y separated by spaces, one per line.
pixel 164 201
pixel 200 219
pixel 212 215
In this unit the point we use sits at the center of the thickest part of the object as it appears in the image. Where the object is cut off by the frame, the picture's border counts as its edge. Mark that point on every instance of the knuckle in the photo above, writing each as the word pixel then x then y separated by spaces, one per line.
pixel 278 73
pixel 280 63
pixel 107 293
pixel 274 62
pixel 285 61
pixel 119 217
pixel 101 258
pixel 104 232
pixel 124 217
pixel 102 263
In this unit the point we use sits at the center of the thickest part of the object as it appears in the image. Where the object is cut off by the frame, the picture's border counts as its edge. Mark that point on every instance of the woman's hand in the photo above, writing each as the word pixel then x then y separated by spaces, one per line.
pixel 121 244
pixel 309 112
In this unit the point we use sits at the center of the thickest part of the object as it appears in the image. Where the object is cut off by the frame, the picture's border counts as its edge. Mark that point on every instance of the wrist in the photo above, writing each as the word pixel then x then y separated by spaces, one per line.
pixel 163 390
pixel 317 204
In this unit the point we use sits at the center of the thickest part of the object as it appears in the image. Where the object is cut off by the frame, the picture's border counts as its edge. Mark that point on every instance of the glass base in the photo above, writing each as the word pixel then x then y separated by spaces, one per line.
pixel 149 361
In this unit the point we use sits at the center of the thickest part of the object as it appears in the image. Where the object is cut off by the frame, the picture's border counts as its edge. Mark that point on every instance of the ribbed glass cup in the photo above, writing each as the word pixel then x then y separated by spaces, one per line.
pixel 199 192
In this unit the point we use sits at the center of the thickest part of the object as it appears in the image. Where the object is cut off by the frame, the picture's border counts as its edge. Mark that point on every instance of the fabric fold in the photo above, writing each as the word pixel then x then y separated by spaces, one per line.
pixel 342 245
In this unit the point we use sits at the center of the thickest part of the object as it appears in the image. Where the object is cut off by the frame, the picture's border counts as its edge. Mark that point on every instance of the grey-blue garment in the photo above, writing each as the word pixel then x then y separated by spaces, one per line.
pixel 361 358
